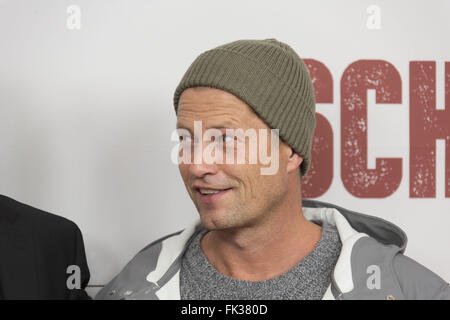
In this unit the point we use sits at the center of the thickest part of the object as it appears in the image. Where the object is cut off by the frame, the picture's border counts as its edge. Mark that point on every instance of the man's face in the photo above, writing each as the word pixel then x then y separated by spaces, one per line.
pixel 245 196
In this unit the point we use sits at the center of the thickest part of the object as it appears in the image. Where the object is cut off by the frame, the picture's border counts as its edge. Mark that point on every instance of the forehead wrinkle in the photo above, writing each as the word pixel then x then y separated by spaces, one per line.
pixel 214 117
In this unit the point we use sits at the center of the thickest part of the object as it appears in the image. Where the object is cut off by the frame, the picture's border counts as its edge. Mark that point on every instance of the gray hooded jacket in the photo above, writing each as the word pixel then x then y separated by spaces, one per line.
pixel 371 264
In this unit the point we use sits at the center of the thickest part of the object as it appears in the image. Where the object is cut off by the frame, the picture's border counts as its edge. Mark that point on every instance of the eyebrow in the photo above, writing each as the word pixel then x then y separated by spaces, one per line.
pixel 224 125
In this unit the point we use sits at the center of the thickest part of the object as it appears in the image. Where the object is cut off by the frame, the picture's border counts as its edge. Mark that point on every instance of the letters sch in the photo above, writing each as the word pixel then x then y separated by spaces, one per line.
pixel 426 125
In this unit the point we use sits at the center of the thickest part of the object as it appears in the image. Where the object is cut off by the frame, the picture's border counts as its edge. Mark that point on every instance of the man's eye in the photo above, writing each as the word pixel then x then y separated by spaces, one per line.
pixel 185 138
pixel 227 138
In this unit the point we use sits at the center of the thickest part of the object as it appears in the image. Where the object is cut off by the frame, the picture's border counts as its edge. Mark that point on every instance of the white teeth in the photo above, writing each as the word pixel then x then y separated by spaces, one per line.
pixel 208 191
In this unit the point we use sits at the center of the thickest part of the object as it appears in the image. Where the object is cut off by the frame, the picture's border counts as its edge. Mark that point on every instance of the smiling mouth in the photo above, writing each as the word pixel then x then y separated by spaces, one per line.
pixel 208 195
pixel 206 192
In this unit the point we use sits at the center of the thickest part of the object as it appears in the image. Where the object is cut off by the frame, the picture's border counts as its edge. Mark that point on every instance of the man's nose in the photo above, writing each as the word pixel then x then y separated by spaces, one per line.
pixel 201 164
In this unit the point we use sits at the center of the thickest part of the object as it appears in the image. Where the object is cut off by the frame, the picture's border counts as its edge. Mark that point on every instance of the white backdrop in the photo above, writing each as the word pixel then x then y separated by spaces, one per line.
pixel 86 113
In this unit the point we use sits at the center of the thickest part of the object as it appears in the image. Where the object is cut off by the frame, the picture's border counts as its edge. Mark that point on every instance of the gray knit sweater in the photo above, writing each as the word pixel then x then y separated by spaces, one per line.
pixel 308 280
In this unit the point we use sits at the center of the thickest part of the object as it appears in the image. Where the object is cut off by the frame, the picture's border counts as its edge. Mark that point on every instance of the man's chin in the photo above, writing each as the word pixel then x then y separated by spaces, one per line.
pixel 214 220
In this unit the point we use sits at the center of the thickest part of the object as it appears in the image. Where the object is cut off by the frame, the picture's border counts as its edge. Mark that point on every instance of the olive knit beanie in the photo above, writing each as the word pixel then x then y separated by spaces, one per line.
pixel 271 78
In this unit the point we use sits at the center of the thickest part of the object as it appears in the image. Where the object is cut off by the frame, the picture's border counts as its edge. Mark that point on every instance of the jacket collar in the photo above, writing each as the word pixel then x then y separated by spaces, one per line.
pixel 351 227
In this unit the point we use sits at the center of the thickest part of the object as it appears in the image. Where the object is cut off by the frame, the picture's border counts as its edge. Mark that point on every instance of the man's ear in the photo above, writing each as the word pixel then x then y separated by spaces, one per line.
pixel 294 161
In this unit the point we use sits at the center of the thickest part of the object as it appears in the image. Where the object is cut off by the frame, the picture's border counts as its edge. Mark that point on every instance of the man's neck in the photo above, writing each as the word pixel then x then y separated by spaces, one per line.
pixel 264 251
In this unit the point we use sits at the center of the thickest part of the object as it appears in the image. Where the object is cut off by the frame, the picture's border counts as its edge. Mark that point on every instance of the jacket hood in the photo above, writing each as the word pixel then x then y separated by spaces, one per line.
pixel 361 235
pixel 381 230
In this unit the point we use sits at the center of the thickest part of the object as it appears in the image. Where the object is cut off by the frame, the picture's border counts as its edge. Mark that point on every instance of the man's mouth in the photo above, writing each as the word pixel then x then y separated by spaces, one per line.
pixel 210 191
pixel 208 195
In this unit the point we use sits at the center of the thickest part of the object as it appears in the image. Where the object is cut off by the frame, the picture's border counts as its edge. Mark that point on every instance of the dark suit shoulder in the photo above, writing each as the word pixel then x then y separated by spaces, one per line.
pixel 40 218
pixel 42 245
pixel 51 233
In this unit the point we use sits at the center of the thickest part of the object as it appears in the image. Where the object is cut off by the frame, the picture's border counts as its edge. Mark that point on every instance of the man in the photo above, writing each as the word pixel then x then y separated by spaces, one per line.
pixel 256 238
pixel 41 255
